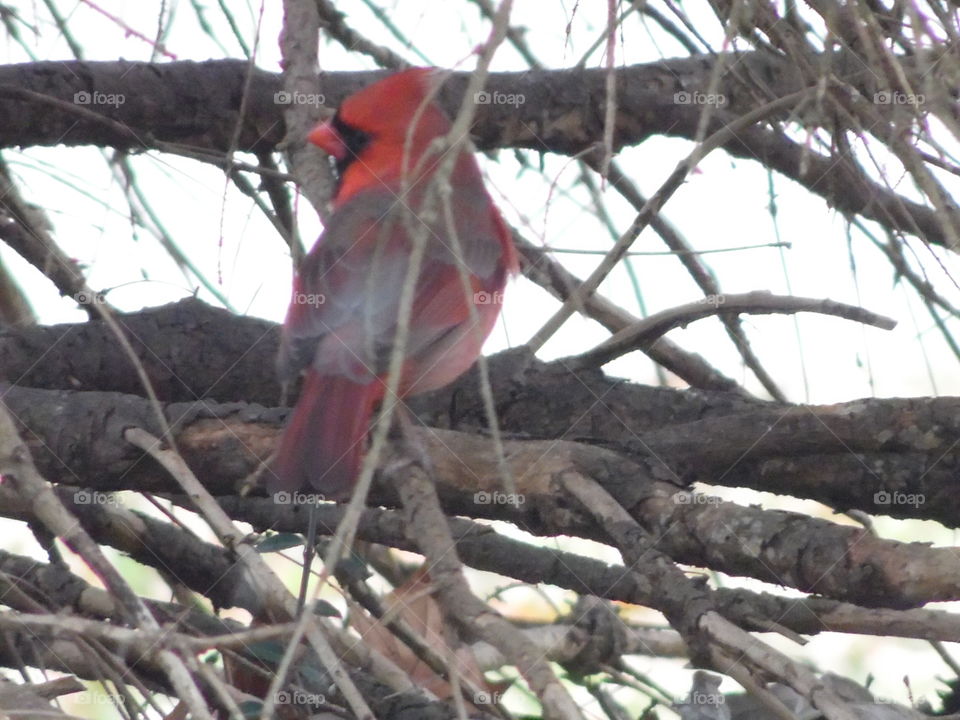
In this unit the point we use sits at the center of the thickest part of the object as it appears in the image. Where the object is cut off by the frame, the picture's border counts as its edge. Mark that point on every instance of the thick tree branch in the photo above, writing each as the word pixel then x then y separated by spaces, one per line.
pixel 78 438
pixel 196 106
pixel 846 456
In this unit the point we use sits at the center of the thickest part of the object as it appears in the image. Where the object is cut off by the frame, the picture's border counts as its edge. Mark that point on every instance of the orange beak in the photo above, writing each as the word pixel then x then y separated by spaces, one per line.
pixel 328 139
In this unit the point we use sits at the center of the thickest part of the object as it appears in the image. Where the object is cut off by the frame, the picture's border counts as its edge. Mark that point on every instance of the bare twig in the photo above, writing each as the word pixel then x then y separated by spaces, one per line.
pixel 16 463
pixel 690 610
pixel 277 600
pixel 429 525
pixel 546 272
pixel 650 329
pixel 652 207
pixel 26 230
pixel 334 22
pixel 695 267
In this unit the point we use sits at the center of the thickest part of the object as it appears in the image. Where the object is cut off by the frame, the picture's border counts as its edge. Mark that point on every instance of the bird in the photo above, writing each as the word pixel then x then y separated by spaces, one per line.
pixel 341 325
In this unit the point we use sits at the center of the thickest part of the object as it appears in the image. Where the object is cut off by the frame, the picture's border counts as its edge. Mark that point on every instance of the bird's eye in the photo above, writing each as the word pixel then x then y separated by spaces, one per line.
pixel 355 141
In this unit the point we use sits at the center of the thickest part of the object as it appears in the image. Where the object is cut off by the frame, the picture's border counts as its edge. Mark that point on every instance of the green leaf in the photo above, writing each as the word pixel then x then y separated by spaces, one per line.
pixel 278 542
pixel 325 609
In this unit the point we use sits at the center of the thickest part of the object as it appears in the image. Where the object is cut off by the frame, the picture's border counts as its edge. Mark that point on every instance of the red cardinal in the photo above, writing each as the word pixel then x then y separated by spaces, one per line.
pixel 343 317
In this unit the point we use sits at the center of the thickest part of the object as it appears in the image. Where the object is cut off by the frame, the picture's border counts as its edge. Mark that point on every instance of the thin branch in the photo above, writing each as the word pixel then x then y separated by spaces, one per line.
pixel 649 330
pixel 690 610
pixel 16 463
pixel 652 207
pixel 427 521
pixel 277 600
pixel 25 229
pixel 695 267
pixel 540 268
pixel 335 24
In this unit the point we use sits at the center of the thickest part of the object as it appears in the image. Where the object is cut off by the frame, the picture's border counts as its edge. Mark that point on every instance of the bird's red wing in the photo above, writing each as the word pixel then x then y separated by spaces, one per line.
pixel 343 314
